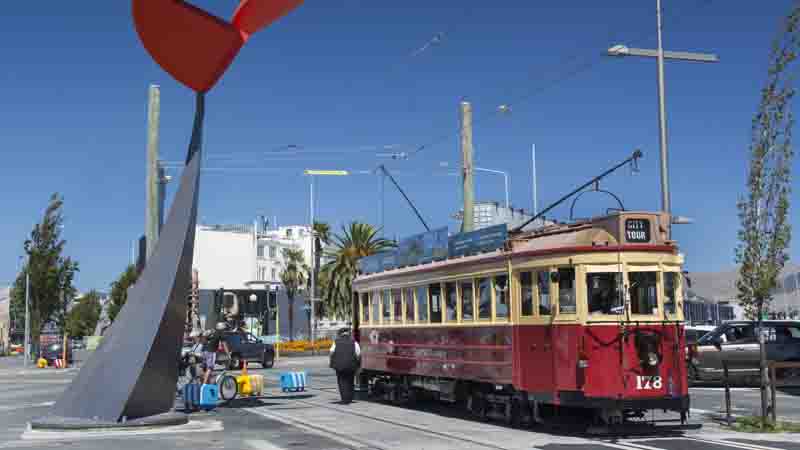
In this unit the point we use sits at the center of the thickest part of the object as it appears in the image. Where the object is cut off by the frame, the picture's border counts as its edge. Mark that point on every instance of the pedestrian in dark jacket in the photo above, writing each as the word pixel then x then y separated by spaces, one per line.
pixel 345 354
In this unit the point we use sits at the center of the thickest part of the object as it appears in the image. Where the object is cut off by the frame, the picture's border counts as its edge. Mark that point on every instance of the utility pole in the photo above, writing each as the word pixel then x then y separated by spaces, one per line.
pixel 313 297
pixel 660 55
pixel 152 210
pixel 468 187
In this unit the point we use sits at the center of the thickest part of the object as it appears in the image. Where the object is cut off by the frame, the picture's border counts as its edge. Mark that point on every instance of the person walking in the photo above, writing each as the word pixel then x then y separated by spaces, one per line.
pixel 345 354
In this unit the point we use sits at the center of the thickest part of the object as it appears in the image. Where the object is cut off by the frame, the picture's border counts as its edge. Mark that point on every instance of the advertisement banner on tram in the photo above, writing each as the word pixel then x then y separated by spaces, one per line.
pixel 423 248
pixel 479 241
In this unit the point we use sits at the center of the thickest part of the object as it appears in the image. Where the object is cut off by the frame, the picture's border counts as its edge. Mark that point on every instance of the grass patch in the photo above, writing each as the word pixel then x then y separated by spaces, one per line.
pixel 752 424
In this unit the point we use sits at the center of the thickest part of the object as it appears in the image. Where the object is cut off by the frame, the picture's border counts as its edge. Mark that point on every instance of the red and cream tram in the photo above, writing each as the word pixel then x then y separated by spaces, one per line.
pixel 585 315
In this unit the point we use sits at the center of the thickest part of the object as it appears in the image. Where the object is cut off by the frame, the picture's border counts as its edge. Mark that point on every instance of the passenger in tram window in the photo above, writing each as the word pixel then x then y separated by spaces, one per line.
pixel 501 294
pixel 451 301
pixel 484 298
pixel 643 288
pixel 543 285
pixel 422 304
pixel 526 286
pixel 566 291
pixel 435 299
pixel 603 292
pixel 466 301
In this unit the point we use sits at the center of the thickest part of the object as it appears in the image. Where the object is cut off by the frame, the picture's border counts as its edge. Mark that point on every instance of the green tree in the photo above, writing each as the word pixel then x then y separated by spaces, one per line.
pixel 293 278
pixel 51 274
pixel 322 237
pixel 83 317
pixel 765 231
pixel 356 241
pixel 119 291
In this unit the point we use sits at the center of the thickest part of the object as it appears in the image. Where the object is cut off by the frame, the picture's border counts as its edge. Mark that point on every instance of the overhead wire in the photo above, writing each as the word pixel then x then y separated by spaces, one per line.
pixel 587 64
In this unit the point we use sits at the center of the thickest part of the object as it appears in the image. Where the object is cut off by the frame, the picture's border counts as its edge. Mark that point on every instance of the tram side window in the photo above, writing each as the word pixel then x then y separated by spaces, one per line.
pixel 566 291
pixel 466 301
pixel 450 301
pixel 501 294
pixel 387 307
pixel 422 304
pixel 543 284
pixel 365 307
pixel 435 298
pixel 484 298
pixel 670 291
pixel 397 304
pixel 526 285
pixel 375 310
pixel 408 299
pixel 602 289
pixel 643 288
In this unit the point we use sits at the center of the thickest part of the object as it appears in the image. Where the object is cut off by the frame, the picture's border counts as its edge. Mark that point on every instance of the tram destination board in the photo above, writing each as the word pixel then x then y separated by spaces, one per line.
pixel 637 230
pixel 423 248
pixel 473 242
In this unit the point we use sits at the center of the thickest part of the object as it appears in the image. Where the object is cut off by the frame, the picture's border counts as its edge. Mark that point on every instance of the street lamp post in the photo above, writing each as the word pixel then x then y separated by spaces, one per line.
pixel 313 296
pixel 660 55
pixel 500 172
pixel 27 312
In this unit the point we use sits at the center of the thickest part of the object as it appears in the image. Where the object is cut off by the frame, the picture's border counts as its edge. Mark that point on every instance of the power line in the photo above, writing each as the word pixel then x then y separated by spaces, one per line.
pixel 586 65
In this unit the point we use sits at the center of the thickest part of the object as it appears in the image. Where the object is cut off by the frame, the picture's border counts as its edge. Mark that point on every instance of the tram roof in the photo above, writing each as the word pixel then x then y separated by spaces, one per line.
pixel 604 233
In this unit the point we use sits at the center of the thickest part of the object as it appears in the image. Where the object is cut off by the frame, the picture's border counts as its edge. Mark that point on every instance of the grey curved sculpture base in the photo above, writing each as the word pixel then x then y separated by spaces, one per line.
pixel 57 423
pixel 134 370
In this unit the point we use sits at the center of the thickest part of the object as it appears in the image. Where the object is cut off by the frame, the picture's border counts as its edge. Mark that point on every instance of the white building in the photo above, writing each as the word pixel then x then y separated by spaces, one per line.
pixel 238 256
pixel 5 319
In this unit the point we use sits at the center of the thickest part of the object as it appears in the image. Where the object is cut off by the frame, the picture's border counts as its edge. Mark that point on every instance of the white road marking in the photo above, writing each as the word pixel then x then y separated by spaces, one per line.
pixel 262 445
pixel 733 444
pixel 317 429
pixel 30 405
pixel 194 426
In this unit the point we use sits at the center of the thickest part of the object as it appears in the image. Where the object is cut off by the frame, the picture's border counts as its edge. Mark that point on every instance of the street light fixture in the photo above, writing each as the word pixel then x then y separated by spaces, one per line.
pixel 660 55
pixel 311 173
pixel 505 176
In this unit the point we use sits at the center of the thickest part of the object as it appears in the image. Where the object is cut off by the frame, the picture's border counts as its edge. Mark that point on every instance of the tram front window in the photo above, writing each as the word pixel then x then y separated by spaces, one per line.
pixel 387 307
pixel 526 287
pixel 603 292
pixel 643 287
pixel 543 284
pixel 365 307
pixel 670 291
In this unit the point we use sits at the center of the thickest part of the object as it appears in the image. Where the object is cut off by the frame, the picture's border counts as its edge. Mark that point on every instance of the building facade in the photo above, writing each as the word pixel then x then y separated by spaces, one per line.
pixel 5 319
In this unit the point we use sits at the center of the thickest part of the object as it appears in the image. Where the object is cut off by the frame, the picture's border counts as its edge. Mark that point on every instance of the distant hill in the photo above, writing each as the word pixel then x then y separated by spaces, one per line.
pixel 721 286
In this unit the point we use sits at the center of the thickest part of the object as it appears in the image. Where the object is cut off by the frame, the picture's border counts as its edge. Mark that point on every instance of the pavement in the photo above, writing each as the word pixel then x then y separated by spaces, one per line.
pixel 315 420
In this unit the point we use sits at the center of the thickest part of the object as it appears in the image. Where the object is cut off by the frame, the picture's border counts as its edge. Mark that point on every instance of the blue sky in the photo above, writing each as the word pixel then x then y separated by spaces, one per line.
pixel 340 78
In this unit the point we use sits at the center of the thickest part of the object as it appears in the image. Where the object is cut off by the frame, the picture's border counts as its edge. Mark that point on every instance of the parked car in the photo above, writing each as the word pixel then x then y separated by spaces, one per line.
pixel 246 347
pixel 737 343
pixel 53 352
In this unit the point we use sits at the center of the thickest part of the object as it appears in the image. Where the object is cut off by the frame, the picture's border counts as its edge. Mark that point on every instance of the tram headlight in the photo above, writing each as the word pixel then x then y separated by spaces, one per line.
pixel 652 359
pixel 647 346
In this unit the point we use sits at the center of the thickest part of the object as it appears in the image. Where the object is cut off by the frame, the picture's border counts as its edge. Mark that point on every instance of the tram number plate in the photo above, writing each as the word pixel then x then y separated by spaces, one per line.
pixel 637 230
pixel 645 383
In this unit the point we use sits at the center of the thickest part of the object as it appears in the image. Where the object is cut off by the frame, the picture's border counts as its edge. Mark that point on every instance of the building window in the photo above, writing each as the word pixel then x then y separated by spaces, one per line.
pixel 260 251
pixel 274 274
pixel 262 273
pixel 272 251
pixel 288 232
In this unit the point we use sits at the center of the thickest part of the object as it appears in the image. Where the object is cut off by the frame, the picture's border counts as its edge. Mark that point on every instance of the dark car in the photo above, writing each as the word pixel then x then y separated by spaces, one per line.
pixel 737 344
pixel 53 352
pixel 246 347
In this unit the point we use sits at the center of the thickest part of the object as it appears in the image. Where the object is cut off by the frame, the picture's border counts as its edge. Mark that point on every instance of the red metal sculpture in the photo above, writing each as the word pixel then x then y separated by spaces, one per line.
pixel 195 46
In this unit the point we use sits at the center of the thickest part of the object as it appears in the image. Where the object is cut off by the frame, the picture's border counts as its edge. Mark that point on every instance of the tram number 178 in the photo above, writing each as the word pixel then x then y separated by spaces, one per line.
pixel 644 382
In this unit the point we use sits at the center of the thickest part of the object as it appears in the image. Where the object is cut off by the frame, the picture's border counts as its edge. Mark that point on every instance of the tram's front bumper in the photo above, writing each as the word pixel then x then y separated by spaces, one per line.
pixel 577 398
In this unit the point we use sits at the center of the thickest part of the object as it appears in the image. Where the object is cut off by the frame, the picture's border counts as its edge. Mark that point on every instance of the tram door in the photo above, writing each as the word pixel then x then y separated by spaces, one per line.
pixel 533 337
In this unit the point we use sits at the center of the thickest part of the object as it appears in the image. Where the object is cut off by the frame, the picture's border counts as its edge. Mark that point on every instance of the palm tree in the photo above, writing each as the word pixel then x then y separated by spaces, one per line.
pixel 322 236
pixel 356 241
pixel 293 278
